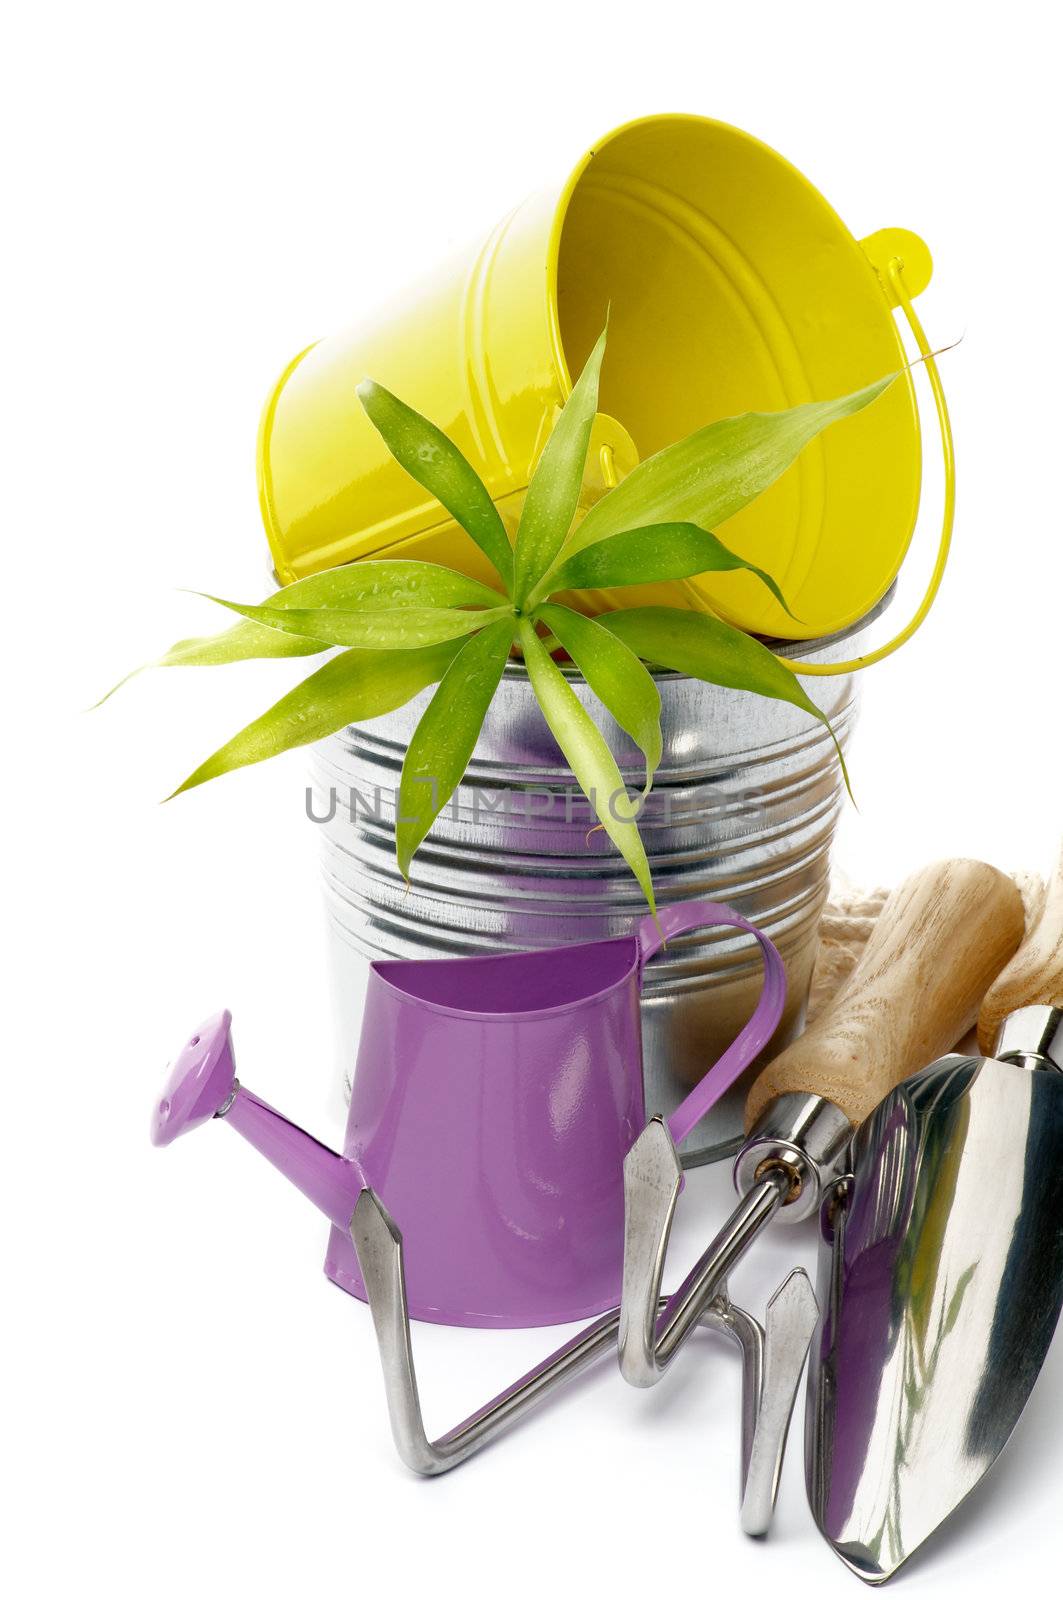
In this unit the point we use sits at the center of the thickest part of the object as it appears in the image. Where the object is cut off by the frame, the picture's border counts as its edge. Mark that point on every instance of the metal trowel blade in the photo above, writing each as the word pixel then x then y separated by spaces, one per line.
pixel 941 1290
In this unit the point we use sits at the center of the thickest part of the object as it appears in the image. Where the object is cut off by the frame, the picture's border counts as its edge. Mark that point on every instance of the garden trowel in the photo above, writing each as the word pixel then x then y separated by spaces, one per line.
pixel 942 1285
pixel 939 942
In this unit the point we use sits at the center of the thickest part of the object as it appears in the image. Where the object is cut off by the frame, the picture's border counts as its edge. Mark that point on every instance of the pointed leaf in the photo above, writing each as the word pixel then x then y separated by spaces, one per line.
pixel 710 475
pixel 553 493
pixel 445 737
pixel 387 583
pixel 379 585
pixel 409 628
pixel 439 466
pixel 352 687
pixel 616 675
pixel 588 755
pixel 705 647
pixel 664 551
pixel 248 641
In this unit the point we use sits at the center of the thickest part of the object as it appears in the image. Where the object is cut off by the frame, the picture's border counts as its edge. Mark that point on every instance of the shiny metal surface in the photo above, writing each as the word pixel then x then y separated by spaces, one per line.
pixel 1032 1037
pixel 227 1104
pixel 940 1297
pixel 379 1246
pixel 650 1337
pixel 771 1371
pixel 743 810
pixel 806 1135
pixel 790 1323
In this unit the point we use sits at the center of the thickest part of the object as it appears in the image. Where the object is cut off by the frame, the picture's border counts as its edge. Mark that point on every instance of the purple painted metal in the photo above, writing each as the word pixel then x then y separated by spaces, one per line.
pixel 331 1182
pixel 674 920
pixel 199 1082
pixel 494 1101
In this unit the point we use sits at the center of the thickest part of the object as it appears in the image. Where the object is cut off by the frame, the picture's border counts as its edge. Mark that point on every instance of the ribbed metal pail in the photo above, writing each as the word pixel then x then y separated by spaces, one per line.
pixel 743 809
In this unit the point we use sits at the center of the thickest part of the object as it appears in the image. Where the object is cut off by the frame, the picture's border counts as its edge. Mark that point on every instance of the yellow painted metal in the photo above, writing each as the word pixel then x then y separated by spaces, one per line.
pixel 895 275
pixel 731 286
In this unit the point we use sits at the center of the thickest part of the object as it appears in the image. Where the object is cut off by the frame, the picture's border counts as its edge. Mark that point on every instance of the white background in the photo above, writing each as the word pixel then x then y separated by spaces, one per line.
pixel 193 193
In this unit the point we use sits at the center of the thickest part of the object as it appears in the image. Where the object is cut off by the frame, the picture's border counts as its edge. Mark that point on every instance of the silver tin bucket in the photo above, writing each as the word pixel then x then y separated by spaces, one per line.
pixel 743 809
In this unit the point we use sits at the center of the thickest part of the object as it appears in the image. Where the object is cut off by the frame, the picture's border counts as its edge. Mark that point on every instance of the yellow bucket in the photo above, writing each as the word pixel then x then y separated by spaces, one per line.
pixel 731 286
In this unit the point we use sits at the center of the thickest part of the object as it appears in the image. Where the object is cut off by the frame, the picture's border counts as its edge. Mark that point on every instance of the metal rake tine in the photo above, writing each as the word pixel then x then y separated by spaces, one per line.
pixel 772 1362
pixel 653 1178
pixel 378 1244
pixel 741 1326
pixel 650 1338
pixel 789 1326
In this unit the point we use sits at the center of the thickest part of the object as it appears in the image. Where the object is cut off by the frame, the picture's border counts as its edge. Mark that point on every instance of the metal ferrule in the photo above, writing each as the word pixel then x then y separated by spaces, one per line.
pixel 803 1135
pixel 227 1104
pixel 1032 1037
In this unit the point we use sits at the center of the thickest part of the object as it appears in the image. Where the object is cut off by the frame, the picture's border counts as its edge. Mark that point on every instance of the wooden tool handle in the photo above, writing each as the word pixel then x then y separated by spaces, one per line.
pixel 1035 976
pixel 939 942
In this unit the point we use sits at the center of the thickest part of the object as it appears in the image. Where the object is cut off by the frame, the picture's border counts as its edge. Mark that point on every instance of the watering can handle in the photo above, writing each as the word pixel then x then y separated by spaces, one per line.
pixel 894 277
pixel 653 933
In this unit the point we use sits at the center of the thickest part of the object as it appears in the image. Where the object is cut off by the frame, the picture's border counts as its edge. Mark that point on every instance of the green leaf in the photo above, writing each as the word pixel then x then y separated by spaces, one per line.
pixel 617 677
pixel 588 755
pixel 655 554
pixel 553 493
pixel 352 687
pixel 445 737
pixel 387 583
pixel 248 641
pixel 411 628
pixel 380 585
pixel 713 473
pixel 439 466
pixel 705 647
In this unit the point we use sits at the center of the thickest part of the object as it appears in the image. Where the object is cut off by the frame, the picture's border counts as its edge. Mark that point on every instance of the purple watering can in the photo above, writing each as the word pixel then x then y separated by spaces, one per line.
pixel 494 1101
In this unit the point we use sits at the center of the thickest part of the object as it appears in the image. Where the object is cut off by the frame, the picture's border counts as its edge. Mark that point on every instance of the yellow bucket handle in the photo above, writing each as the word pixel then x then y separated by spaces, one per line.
pixel 820 669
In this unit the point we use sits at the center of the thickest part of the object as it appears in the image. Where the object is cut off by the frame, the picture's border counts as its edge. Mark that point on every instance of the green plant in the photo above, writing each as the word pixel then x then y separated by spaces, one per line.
pixel 403 625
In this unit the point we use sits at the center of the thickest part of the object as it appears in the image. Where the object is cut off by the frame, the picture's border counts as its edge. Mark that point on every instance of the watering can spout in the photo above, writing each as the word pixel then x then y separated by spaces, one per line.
pixel 202 1084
